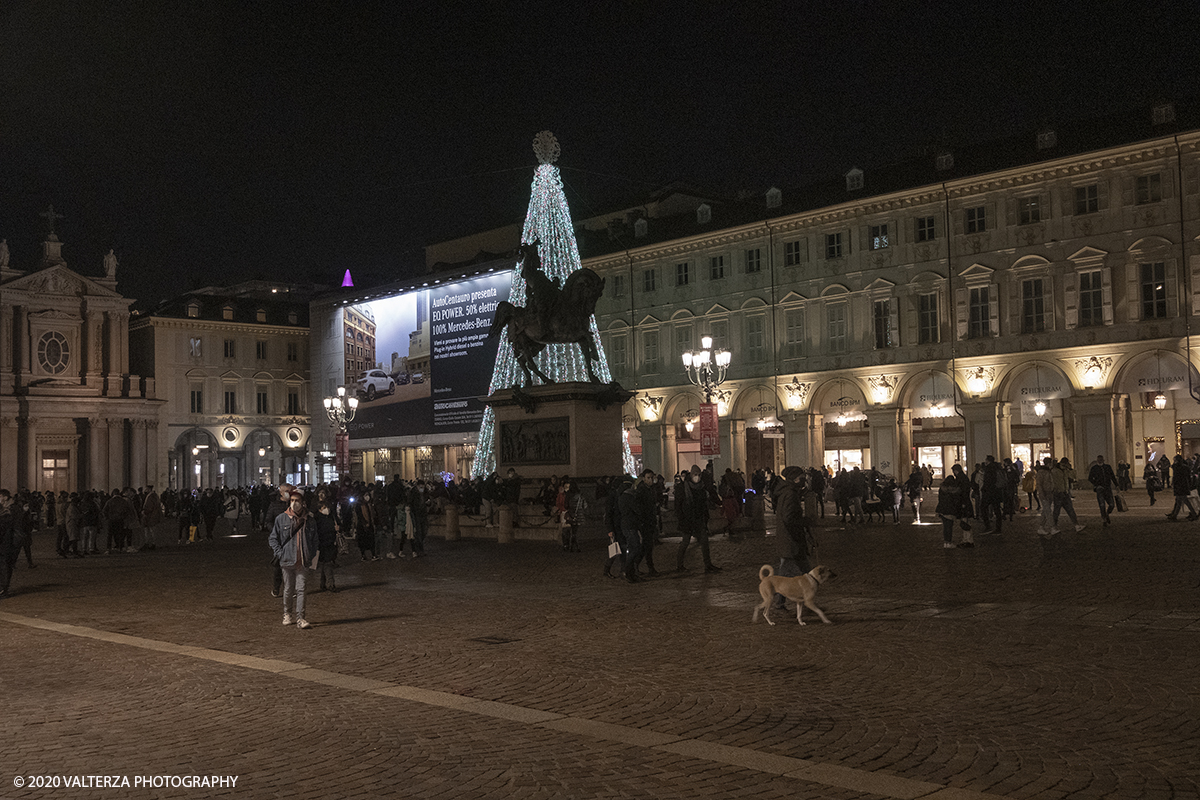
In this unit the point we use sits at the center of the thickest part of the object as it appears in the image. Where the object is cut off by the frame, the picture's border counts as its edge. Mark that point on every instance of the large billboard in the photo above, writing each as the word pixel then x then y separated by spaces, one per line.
pixel 420 360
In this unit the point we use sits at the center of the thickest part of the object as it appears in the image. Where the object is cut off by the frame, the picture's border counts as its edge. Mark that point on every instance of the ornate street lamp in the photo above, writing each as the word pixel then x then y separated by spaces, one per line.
pixel 341 409
pixel 706 369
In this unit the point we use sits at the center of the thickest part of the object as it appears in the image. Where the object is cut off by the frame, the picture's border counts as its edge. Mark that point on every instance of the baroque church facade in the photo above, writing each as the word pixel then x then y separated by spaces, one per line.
pixel 72 415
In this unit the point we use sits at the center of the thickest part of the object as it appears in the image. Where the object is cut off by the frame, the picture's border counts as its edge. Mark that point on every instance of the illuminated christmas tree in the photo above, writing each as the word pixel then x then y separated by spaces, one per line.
pixel 548 222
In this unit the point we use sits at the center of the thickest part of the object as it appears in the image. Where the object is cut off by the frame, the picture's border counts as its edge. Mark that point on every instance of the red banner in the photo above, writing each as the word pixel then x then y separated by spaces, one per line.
pixel 341 458
pixel 710 440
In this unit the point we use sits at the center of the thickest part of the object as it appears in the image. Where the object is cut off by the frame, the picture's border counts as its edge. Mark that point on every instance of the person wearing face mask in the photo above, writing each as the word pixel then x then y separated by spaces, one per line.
pixel 294 542
pixel 691 509
pixel 326 524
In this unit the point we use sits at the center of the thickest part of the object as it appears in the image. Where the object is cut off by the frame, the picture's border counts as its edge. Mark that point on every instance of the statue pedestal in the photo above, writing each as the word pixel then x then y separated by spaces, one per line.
pixel 560 429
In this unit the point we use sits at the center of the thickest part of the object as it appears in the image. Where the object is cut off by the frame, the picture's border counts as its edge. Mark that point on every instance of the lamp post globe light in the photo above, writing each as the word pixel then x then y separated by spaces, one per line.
pixel 706 369
pixel 341 409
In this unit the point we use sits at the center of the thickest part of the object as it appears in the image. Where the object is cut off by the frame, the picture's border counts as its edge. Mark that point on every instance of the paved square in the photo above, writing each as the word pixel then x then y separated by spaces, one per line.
pixel 1023 668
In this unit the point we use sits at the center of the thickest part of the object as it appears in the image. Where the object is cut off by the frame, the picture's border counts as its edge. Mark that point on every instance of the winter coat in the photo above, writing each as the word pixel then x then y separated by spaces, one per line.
pixel 285 538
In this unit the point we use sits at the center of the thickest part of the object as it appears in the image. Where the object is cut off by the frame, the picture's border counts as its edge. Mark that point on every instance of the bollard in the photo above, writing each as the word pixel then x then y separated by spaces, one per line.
pixel 505 536
pixel 453 532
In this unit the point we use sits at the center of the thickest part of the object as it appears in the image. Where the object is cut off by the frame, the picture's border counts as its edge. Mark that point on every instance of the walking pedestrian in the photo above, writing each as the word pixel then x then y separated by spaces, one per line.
pixel 294 542
pixel 1062 475
pixel 1181 487
pixel 691 511
pixel 1153 484
pixel 325 521
pixel 912 488
pixel 1103 480
pixel 796 539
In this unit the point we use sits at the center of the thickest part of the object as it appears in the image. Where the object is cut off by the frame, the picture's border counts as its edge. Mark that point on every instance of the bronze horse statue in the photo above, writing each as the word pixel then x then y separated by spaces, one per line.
pixel 550 316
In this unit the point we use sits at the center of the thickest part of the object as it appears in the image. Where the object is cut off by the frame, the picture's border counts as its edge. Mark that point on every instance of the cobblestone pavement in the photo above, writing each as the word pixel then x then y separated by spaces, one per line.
pixel 1023 668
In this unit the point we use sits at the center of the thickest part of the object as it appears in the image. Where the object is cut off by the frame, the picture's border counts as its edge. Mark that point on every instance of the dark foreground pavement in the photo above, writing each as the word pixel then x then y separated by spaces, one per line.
pixel 1023 668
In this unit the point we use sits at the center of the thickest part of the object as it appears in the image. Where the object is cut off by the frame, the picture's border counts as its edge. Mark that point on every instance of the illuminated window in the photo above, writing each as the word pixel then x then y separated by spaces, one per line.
pixel 878 236
pixel 1030 210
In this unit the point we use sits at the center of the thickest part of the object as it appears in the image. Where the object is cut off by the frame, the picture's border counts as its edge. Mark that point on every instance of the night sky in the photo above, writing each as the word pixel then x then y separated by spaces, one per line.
pixel 211 141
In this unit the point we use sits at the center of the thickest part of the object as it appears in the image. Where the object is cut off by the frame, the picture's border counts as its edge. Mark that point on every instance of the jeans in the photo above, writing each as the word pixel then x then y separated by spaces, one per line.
pixel 88 536
pixel 294 579
pixel 1062 500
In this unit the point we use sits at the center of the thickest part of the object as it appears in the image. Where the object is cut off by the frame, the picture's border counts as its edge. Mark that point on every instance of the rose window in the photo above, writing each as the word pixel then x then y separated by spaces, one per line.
pixel 54 354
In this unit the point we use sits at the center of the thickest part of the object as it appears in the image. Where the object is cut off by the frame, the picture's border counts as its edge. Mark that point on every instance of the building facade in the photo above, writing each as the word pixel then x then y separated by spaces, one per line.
pixel 232 364
pixel 1041 307
pixel 73 415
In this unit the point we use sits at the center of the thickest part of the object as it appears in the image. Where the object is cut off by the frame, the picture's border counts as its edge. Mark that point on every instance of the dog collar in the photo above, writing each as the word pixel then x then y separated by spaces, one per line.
pixel 814 577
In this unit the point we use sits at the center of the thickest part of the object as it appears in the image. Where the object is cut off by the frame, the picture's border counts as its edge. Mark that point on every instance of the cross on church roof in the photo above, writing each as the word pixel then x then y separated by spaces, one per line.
pixel 50 216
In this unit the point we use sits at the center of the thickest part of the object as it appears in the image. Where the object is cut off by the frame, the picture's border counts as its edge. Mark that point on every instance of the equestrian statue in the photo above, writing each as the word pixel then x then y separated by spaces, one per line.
pixel 550 316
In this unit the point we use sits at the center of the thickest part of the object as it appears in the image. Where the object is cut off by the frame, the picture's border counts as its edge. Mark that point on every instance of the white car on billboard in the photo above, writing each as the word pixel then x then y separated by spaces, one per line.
pixel 375 382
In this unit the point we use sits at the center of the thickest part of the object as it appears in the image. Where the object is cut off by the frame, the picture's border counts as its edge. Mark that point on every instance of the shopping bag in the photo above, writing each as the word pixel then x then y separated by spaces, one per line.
pixel 614 550
pixel 1121 505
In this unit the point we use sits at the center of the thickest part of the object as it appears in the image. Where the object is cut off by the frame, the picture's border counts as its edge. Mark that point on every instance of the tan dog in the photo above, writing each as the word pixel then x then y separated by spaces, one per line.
pixel 800 589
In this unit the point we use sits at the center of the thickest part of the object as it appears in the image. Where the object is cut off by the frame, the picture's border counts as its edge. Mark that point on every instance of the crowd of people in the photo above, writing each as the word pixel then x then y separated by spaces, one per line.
pixel 376 521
